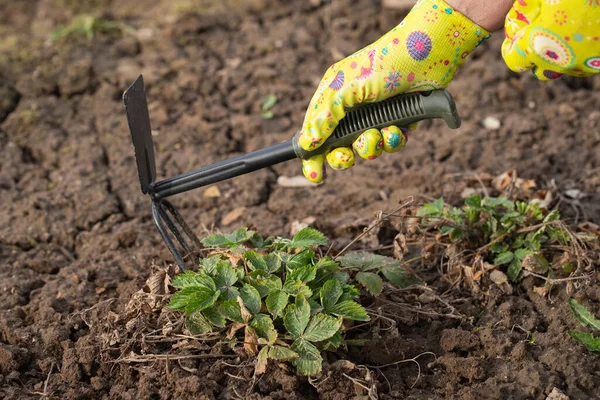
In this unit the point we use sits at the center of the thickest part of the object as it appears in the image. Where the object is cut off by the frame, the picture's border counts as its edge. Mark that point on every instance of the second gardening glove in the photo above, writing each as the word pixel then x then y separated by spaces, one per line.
pixel 420 54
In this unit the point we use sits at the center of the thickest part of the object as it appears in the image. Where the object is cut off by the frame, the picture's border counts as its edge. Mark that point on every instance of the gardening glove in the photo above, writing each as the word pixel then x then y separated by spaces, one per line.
pixel 420 54
pixel 553 38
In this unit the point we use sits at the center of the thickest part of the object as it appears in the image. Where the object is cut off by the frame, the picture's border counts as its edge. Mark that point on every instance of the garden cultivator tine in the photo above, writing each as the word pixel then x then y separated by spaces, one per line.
pixel 401 110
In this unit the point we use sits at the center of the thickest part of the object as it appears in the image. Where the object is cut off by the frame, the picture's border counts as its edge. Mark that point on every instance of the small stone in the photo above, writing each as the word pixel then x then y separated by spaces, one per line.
pixel 498 277
pixel 233 215
pixel 491 123
pixel 557 394
pixel 212 191
pixel 297 181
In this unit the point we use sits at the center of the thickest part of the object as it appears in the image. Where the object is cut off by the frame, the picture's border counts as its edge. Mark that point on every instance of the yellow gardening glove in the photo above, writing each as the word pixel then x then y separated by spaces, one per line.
pixel 553 37
pixel 422 53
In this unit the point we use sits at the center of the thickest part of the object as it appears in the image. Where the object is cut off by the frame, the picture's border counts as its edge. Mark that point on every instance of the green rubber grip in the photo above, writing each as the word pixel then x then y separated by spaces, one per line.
pixel 401 111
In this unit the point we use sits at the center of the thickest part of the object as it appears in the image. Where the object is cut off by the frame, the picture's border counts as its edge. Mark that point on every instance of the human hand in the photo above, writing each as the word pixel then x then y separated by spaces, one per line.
pixel 420 54
pixel 553 38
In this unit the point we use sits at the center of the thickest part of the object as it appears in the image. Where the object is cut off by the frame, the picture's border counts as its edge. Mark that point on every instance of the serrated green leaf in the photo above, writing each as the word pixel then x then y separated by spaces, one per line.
pixel 268 285
pixel 229 240
pixel 428 210
pixel 326 264
pixel 330 293
pixel 281 353
pixel 493 202
pixel 268 263
pixel 305 257
pixel 587 339
pixel 214 316
pixel 230 309
pixel 399 276
pixel 321 327
pixel 366 261
pixel 225 278
pixel 191 278
pixel 351 310
pixel 251 298
pixel 276 302
pixel 583 315
pixel 308 237
pixel 514 269
pixel 263 324
pixel 314 306
pixel 371 281
pixel 309 360
pixel 305 273
pixel 522 253
pixel 296 317
pixel 333 342
pixel 262 360
pixel 554 215
pixel 209 264
pixel 296 288
pixel 197 324
pixel 350 292
pixel 192 298
pixel 504 258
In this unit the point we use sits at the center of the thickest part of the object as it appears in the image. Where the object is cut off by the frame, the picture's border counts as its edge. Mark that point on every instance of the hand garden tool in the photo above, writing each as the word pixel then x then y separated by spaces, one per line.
pixel 401 110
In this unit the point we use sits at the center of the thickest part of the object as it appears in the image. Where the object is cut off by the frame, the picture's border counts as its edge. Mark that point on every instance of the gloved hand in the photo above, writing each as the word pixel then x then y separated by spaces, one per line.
pixel 422 53
pixel 553 38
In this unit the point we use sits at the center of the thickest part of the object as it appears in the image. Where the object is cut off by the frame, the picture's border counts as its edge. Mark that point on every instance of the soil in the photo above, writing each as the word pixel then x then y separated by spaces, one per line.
pixel 77 241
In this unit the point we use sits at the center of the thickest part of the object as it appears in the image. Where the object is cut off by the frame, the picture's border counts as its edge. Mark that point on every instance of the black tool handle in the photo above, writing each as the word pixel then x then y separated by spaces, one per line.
pixel 401 110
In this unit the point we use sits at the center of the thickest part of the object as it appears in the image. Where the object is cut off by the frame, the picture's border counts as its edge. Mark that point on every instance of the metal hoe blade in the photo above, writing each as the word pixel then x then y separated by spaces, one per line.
pixel 136 107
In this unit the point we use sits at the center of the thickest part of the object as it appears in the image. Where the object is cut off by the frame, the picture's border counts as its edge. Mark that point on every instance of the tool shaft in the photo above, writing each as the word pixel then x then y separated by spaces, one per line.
pixel 225 169
pixel 401 110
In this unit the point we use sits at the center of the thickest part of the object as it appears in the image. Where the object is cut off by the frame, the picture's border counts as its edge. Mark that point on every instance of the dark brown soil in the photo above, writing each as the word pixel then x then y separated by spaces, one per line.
pixel 75 231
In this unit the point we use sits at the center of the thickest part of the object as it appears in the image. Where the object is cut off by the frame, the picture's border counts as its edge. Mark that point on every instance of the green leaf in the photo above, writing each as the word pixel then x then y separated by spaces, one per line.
pixel 209 264
pixel 351 310
pixel 583 315
pixel 251 298
pixel 229 240
pixel 366 261
pixel 322 327
pixel 514 269
pixel 225 277
pixel 268 285
pixel 333 342
pixel 296 288
pixel 473 201
pixel 587 339
pixel 308 237
pixel 305 273
pixel 520 254
pixel 296 317
pixel 214 317
pixel 281 353
pixel 326 264
pixel 428 210
pixel 269 262
pixel 309 361
pixel 230 309
pixel 350 292
pixel 400 276
pixel 263 324
pixel 493 202
pixel 276 302
pixel 269 102
pixel 197 324
pixel 305 257
pixel 192 298
pixel 371 281
pixel 191 278
pixel 504 258
pixel 552 216
pixel 330 293
pixel 445 230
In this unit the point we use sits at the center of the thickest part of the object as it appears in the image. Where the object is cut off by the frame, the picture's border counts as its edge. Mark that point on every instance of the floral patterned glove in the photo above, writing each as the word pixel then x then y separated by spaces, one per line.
pixel 422 53
pixel 553 37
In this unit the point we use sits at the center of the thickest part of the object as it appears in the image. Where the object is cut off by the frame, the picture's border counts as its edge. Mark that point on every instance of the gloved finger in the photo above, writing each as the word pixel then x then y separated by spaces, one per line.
pixel 369 145
pixel 341 158
pixel 394 138
pixel 314 168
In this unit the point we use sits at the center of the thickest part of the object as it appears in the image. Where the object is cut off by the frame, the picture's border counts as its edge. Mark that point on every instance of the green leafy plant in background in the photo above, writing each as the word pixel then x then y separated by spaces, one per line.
pixel 510 233
pixel 268 104
pixel 288 303
pixel 585 318
pixel 86 25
